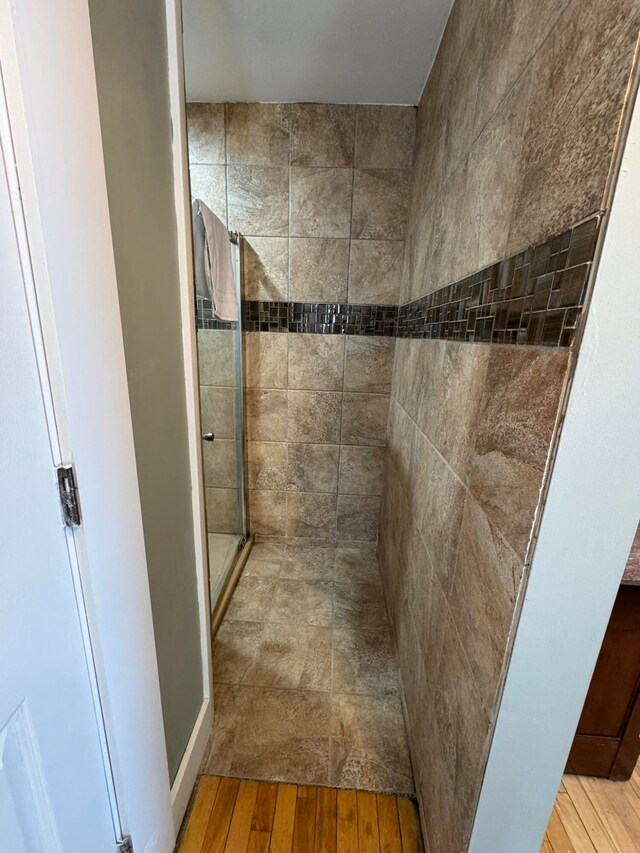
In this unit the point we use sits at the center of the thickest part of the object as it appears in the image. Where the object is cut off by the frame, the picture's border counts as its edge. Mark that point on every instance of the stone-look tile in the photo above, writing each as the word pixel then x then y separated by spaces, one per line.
pixel 364 419
pixel 384 137
pixel 369 745
pixel 321 202
pixel 216 357
pixel 514 34
pixel 492 180
pixel 437 502
pixel 295 657
pixel 267 512
pixel 463 726
pixel 252 600
pixel 266 415
pixel 205 128
pixel 220 463
pixel 356 565
pixel 358 517
pixel 258 200
pixel 302 603
pixel 313 468
pixel 311 515
pixel 359 606
pixel 364 662
pixel 361 470
pixel 267 465
pixel 569 143
pixel 222 510
pixel 316 362
pixel 209 184
pixel 265 355
pixel 218 411
pixel 322 134
pixel 380 204
pixel 445 403
pixel 442 262
pixel 266 268
pixel 517 416
pixel 375 271
pixel 306 562
pixel 485 587
pixel 257 134
pixel 264 560
pixel 314 417
pixel 271 734
pixel 318 270
pixel 368 364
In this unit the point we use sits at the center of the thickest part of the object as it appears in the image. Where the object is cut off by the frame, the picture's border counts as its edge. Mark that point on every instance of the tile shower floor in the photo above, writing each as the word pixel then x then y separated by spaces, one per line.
pixel 306 685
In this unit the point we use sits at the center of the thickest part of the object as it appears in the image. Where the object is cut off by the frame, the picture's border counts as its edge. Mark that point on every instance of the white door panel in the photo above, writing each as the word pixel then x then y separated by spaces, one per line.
pixel 53 793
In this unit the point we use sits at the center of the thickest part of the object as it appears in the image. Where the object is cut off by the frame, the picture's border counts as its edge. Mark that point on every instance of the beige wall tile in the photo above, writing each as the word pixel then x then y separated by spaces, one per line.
pixel 216 357
pixel 316 362
pixel 266 268
pixel 384 137
pixel 364 419
pixel 485 587
pixel 368 364
pixel 266 415
pixel 218 411
pixel 257 134
pixel 318 269
pixel 311 515
pixel 220 461
pixel 222 510
pixel 265 356
pixel 361 470
pixel 313 468
pixel 258 200
pixel 267 511
pixel 267 465
pixel 314 417
pixel 517 416
pixel 380 204
pixel 322 134
pixel 358 517
pixel 321 202
pixel 209 184
pixel 375 271
pixel 205 127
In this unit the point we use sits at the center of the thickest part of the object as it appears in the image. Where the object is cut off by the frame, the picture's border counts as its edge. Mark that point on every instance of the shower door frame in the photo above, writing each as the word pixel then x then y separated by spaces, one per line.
pixel 237 253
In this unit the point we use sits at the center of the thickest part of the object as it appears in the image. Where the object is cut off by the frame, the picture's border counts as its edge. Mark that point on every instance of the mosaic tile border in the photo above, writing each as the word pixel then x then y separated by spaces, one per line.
pixel 533 298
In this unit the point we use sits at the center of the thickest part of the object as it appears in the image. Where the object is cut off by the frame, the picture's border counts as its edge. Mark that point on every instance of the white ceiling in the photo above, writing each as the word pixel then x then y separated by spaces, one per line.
pixel 332 51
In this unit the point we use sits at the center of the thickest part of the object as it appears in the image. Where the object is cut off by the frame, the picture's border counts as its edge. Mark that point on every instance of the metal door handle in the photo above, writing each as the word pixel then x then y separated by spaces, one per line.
pixel 208 436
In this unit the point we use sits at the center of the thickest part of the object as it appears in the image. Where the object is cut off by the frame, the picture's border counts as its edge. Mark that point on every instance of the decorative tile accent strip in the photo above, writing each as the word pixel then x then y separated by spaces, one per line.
pixel 205 318
pixel 535 297
pixel 321 318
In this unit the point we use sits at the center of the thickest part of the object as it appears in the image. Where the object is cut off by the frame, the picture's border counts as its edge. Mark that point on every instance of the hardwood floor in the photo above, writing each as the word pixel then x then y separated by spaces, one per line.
pixel 241 816
pixel 595 816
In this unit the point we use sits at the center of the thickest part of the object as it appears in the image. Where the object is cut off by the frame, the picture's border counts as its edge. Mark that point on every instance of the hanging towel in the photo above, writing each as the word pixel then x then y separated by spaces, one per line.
pixel 214 271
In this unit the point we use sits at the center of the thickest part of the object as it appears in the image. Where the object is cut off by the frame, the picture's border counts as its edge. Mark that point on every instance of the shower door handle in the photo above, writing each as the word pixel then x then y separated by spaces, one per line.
pixel 208 436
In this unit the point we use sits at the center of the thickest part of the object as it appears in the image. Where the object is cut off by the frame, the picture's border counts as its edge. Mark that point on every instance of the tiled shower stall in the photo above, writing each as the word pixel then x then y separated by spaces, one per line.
pixel 430 424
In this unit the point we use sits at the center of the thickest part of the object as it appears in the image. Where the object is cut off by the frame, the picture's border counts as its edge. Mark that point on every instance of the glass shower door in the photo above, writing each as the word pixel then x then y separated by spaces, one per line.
pixel 221 407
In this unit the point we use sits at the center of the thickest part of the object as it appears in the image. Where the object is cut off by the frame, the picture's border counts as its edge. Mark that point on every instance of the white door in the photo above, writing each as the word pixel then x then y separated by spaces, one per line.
pixel 54 796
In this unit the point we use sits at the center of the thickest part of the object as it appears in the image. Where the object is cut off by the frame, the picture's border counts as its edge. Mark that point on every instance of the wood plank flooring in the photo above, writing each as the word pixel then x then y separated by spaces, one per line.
pixel 595 816
pixel 241 816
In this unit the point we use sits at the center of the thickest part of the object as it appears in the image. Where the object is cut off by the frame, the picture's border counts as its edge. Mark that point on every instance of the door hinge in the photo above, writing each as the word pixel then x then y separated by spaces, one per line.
pixel 125 845
pixel 68 496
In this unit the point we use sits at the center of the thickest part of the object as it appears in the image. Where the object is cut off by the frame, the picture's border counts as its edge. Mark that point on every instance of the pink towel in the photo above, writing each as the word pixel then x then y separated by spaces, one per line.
pixel 217 264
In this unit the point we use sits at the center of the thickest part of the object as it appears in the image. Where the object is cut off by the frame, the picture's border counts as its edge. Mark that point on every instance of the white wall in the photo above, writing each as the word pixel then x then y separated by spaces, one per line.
pixel 586 531
pixel 130 49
